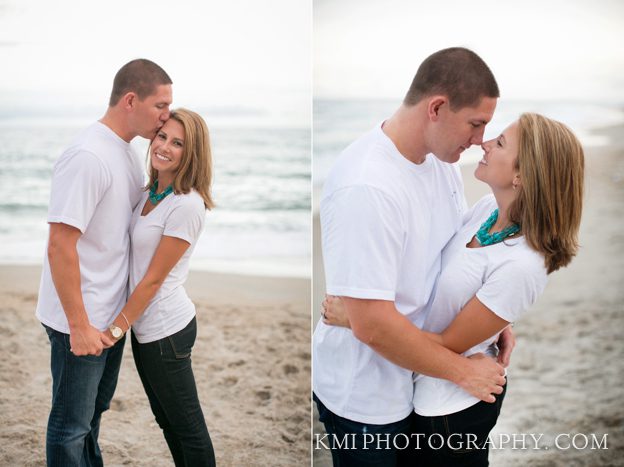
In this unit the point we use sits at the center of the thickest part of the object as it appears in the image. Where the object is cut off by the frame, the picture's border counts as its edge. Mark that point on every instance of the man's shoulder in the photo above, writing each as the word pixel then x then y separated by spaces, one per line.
pixel 77 155
pixel 365 163
pixel 96 139
pixel 94 147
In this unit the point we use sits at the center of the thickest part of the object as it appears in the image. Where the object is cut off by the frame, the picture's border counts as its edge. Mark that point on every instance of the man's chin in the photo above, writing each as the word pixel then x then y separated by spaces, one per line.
pixel 453 158
pixel 149 135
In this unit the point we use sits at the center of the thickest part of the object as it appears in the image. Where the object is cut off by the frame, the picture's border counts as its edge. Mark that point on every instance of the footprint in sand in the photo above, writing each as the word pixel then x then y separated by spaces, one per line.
pixel 230 381
pixel 263 395
pixel 237 363
pixel 290 369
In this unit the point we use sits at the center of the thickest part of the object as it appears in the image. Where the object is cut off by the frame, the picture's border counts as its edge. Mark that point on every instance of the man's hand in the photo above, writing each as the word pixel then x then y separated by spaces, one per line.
pixel 87 340
pixel 484 377
pixel 506 342
pixel 108 340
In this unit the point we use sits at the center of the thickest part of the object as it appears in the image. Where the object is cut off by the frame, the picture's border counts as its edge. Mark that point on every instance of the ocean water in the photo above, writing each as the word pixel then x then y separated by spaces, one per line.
pixel 262 174
pixel 338 122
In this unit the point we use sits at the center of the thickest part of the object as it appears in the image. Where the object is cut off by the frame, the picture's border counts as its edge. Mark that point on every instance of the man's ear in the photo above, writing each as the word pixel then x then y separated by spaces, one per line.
pixel 129 100
pixel 434 105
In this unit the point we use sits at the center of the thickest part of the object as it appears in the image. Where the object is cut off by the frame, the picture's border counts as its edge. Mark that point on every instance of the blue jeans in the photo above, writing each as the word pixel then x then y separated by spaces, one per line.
pixel 164 367
pixel 82 388
pixel 355 444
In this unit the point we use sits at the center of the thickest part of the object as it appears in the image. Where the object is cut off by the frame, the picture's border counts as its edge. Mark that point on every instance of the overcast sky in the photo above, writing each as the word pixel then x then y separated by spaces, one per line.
pixel 218 53
pixel 246 53
pixel 538 49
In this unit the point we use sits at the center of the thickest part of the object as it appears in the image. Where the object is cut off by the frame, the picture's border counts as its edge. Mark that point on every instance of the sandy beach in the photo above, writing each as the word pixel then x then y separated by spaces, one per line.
pixel 566 375
pixel 251 362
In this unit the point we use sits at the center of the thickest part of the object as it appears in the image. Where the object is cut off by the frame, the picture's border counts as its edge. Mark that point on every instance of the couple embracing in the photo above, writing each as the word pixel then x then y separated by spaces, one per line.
pixel 117 258
pixel 421 290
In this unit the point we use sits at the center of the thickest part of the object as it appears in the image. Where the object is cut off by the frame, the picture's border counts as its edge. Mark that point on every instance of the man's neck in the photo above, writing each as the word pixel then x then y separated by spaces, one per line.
pixel 113 120
pixel 407 134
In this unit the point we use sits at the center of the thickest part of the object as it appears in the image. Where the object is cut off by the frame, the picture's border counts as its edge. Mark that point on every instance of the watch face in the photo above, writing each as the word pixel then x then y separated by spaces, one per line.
pixel 116 332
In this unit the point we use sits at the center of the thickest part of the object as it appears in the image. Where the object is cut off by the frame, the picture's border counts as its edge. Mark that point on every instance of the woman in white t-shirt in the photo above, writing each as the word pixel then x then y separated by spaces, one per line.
pixel 493 270
pixel 164 230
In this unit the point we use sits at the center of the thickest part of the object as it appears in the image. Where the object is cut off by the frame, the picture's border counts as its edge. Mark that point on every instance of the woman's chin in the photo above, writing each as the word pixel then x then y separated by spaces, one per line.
pixel 477 173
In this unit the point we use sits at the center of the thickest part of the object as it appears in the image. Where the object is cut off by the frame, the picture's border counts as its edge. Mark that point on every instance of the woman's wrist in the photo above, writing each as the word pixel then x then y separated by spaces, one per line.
pixel 126 323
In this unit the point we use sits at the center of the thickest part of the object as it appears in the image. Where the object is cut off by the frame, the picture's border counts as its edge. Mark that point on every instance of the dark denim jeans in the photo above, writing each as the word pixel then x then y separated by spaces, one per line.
pixel 82 388
pixel 355 444
pixel 458 439
pixel 164 367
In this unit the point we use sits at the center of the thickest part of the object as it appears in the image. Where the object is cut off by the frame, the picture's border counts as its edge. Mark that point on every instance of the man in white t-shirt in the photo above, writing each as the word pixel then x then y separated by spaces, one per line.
pixel 96 184
pixel 390 204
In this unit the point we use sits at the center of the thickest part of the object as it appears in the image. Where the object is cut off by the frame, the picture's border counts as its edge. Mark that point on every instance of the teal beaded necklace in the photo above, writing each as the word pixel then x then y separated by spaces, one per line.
pixel 486 238
pixel 156 198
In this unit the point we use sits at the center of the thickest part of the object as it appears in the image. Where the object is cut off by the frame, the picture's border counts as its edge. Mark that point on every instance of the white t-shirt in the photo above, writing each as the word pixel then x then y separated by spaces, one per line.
pixel 384 223
pixel 506 277
pixel 181 216
pixel 96 184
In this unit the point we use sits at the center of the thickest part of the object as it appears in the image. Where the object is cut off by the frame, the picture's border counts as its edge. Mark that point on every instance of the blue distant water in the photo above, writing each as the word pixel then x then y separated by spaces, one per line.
pixel 262 174
pixel 338 122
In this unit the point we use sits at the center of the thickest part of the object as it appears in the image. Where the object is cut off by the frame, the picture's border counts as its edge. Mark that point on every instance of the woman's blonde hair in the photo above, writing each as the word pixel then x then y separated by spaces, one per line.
pixel 550 198
pixel 195 170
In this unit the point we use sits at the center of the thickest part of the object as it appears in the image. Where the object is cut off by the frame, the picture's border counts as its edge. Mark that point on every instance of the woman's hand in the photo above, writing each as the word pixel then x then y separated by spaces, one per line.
pixel 506 343
pixel 334 313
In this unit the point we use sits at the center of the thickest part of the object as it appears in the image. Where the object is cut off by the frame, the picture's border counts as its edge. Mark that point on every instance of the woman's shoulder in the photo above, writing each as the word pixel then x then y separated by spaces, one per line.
pixel 481 210
pixel 529 258
pixel 516 257
pixel 488 202
pixel 192 197
pixel 191 201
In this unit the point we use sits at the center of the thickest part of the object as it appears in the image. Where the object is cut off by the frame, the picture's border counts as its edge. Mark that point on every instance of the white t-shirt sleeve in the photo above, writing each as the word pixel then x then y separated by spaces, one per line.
pixel 185 221
pixel 79 182
pixel 362 232
pixel 513 286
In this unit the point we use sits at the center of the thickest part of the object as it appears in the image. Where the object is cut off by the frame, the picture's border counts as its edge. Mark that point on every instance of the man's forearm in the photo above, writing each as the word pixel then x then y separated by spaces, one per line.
pixel 65 270
pixel 435 337
pixel 407 346
pixel 395 338
pixel 378 324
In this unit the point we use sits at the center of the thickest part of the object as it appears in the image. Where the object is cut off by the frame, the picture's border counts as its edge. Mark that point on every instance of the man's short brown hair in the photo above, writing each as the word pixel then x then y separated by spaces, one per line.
pixel 141 76
pixel 458 73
